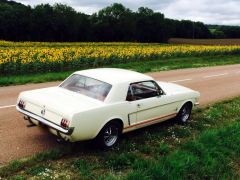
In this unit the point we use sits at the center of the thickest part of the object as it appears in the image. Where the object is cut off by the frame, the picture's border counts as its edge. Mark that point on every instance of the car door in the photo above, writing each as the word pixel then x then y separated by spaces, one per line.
pixel 152 104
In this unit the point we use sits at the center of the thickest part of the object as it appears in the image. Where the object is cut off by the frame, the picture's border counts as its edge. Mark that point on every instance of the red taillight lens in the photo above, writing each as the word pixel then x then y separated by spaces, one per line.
pixel 21 104
pixel 65 123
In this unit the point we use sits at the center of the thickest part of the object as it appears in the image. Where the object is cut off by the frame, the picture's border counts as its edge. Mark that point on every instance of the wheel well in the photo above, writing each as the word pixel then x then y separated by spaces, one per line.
pixel 189 103
pixel 119 121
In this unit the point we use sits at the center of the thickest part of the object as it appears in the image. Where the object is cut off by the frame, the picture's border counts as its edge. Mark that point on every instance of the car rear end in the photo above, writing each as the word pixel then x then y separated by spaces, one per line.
pixel 53 108
pixel 45 117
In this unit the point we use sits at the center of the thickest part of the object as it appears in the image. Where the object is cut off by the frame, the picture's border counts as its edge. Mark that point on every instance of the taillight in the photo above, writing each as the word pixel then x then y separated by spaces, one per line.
pixel 21 104
pixel 65 123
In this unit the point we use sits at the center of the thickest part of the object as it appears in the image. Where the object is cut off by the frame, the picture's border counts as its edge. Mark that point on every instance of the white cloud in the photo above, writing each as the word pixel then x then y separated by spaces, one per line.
pixel 207 11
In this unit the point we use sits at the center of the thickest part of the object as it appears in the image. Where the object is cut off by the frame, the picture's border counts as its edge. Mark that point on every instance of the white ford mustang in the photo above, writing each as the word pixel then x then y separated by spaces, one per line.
pixel 103 103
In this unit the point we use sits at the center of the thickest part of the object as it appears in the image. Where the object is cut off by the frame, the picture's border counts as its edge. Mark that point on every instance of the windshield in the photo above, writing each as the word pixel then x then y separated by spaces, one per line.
pixel 87 86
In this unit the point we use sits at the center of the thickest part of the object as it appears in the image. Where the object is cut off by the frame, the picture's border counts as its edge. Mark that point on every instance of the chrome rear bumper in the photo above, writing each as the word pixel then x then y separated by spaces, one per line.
pixel 68 131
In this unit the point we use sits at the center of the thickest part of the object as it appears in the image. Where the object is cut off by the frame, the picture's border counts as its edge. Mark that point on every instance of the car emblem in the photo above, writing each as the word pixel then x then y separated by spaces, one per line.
pixel 43 111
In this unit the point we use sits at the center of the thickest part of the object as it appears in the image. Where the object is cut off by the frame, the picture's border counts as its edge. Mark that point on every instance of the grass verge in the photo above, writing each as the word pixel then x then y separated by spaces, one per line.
pixel 205 148
pixel 146 66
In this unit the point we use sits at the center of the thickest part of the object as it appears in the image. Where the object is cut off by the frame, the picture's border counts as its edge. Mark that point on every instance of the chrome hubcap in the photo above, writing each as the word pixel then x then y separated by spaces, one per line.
pixel 185 114
pixel 110 135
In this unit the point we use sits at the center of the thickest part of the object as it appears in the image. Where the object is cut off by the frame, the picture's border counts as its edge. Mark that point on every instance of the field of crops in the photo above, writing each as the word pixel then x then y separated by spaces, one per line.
pixel 28 58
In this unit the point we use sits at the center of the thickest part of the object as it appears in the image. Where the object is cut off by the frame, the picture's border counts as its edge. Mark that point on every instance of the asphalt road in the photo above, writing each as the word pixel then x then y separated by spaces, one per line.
pixel 18 141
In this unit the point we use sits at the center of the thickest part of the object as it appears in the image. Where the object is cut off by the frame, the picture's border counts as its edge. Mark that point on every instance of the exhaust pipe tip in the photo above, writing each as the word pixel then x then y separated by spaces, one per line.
pixel 27 118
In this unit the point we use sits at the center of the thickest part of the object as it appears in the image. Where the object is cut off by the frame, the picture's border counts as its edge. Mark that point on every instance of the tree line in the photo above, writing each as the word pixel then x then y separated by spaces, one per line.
pixel 220 31
pixel 113 23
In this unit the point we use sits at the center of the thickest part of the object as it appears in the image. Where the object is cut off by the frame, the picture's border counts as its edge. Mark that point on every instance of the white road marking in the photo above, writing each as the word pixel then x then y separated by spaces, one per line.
pixel 180 80
pixel 215 75
pixel 9 106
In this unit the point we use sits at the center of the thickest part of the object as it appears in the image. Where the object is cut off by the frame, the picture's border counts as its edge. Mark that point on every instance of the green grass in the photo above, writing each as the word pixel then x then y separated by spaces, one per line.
pixel 205 148
pixel 37 170
pixel 146 66
pixel 208 156
pixel 84 169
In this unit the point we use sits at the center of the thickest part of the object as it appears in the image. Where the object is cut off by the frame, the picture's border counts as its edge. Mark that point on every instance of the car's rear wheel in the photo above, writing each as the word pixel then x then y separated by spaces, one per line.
pixel 109 135
pixel 185 113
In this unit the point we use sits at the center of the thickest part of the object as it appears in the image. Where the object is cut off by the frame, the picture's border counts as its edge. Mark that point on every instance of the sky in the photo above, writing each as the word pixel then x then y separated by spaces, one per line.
pixel 221 12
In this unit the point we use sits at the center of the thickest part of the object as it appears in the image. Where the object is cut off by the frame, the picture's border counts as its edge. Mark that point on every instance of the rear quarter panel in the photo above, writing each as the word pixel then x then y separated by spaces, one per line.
pixel 89 123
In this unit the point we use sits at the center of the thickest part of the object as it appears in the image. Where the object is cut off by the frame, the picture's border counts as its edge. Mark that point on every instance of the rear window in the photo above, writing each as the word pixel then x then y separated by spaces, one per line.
pixel 87 86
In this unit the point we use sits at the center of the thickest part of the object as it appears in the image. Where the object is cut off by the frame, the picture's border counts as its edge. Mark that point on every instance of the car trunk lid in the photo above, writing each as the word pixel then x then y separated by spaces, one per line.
pixel 56 103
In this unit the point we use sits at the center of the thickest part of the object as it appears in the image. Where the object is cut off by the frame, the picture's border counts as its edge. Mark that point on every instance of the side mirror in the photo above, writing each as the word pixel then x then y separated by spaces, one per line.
pixel 160 92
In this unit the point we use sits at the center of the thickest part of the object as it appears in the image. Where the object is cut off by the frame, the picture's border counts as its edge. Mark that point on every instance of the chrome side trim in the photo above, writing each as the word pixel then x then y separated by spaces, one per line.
pixel 150 120
pixel 46 122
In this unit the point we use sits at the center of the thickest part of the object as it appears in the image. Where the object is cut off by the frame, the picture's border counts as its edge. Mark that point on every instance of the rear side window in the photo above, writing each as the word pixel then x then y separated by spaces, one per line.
pixel 142 90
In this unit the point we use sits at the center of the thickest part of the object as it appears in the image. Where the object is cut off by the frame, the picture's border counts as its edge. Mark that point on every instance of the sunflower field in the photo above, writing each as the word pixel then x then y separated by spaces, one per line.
pixel 38 57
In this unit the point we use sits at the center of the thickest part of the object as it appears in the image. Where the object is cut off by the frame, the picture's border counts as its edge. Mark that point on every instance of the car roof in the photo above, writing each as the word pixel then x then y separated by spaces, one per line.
pixel 114 75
